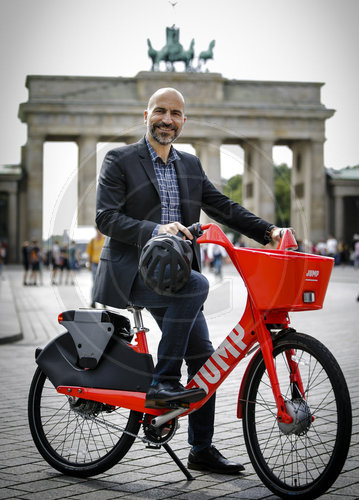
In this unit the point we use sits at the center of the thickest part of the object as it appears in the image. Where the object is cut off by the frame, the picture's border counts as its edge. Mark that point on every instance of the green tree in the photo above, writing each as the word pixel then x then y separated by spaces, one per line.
pixel 282 175
pixel 233 188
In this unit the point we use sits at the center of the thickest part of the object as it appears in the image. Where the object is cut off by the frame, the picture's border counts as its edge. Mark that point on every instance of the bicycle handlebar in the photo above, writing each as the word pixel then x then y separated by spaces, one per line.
pixel 287 241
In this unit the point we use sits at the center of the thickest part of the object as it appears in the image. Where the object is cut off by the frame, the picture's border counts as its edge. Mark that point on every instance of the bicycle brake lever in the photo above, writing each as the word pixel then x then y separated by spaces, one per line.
pixel 195 229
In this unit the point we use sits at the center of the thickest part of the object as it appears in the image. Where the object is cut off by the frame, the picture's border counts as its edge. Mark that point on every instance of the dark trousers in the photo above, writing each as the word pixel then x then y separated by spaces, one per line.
pixel 184 337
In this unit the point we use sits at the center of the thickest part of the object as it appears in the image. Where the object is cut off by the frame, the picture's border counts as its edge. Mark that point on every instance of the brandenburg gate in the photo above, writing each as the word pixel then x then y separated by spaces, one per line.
pixel 257 115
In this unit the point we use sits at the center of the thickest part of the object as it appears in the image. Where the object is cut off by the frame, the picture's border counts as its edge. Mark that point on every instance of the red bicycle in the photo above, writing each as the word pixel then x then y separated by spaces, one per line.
pixel 87 397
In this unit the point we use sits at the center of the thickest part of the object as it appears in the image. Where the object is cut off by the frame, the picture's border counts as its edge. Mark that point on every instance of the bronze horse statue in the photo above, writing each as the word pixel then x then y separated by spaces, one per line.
pixel 185 56
pixel 152 54
pixel 172 52
pixel 206 54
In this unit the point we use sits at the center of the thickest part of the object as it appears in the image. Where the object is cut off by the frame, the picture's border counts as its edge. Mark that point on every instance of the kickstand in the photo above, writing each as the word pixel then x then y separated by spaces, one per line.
pixel 175 458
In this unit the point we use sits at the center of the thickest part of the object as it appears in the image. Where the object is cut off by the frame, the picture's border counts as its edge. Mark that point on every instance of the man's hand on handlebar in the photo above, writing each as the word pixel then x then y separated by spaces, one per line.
pixel 277 232
pixel 175 228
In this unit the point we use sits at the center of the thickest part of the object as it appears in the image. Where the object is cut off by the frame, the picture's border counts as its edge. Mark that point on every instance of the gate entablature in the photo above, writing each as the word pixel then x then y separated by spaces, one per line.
pixel 255 114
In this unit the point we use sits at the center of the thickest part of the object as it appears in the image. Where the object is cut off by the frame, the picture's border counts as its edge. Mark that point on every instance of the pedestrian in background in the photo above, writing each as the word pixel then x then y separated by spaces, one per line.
pixel 64 263
pixel 2 258
pixel 73 262
pixel 25 260
pixel 35 257
pixel 216 254
pixel 93 251
pixel 56 261
pixel 356 254
pixel 332 248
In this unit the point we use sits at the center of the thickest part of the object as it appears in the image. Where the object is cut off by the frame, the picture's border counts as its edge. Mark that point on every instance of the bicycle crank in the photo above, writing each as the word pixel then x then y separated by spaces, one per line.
pixel 159 435
pixel 155 436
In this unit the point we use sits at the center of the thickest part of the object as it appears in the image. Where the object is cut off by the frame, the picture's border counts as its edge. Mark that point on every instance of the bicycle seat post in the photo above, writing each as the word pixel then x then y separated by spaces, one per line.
pixel 139 328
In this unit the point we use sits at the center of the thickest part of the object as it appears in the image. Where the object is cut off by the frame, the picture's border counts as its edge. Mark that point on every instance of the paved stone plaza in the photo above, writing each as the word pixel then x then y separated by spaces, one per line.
pixel 30 313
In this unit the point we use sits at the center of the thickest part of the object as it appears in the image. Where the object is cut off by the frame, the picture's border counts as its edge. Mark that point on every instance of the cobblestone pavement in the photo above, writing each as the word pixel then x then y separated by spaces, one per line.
pixel 143 473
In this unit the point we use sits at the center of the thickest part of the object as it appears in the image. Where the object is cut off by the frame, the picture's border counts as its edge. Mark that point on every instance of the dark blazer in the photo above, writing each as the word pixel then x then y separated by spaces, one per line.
pixel 128 208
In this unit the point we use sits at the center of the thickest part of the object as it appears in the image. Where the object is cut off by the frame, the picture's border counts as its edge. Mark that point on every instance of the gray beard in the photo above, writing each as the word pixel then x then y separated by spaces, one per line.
pixel 164 141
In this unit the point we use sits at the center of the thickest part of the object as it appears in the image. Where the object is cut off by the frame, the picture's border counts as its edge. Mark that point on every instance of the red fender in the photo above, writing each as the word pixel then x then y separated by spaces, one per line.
pixel 244 383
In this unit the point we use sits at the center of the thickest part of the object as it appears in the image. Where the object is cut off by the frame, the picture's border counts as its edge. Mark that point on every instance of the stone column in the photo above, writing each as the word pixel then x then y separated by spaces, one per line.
pixel 308 203
pixel 34 171
pixel 13 224
pixel 339 217
pixel 265 181
pixel 258 179
pixel 248 200
pixel 22 195
pixel 86 181
pixel 209 152
pixel 10 188
pixel 318 192
pixel 301 190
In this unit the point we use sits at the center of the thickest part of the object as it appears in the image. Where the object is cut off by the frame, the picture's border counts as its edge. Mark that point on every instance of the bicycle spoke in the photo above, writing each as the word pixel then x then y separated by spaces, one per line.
pixel 295 455
pixel 75 434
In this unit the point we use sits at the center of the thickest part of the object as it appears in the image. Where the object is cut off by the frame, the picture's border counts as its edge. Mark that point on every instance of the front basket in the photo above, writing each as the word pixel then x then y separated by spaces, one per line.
pixel 282 280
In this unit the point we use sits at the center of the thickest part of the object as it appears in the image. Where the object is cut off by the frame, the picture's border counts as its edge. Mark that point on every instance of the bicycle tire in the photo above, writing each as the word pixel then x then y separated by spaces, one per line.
pixel 78 437
pixel 307 461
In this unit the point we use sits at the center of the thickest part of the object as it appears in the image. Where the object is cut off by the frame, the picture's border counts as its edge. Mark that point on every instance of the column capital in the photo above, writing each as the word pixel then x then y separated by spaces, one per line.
pixel 36 138
pixel 87 138
pixel 318 140
pixel 266 140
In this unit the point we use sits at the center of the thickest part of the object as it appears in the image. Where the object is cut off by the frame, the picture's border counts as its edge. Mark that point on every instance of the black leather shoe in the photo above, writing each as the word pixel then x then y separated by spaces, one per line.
pixel 171 392
pixel 211 459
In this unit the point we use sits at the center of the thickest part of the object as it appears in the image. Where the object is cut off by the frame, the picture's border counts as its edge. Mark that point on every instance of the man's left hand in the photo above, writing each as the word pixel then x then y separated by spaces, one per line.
pixel 276 233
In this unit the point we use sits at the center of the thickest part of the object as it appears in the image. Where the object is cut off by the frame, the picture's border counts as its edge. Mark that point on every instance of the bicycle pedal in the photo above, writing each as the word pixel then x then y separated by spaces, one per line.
pixel 177 404
pixel 158 404
pixel 153 446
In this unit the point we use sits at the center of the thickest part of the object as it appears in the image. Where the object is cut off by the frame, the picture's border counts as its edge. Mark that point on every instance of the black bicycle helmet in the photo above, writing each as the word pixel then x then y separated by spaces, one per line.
pixel 165 263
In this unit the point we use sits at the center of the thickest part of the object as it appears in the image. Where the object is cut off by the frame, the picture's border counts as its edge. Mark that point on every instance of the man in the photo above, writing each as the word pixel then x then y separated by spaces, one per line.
pixel 93 251
pixel 25 250
pixel 56 261
pixel 35 257
pixel 149 188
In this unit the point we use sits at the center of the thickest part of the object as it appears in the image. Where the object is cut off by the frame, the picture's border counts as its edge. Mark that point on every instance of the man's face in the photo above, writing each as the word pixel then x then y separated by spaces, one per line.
pixel 165 117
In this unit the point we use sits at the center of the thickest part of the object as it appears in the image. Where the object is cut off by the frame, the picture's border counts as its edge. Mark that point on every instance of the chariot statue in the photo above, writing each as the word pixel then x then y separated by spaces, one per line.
pixel 173 52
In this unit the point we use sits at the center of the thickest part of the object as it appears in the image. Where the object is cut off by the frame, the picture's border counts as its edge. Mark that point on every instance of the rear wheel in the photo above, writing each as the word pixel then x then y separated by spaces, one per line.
pixel 302 459
pixel 76 436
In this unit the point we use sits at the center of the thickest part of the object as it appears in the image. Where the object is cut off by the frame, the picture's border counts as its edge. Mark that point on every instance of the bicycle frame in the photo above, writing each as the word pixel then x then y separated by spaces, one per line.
pixel 294 282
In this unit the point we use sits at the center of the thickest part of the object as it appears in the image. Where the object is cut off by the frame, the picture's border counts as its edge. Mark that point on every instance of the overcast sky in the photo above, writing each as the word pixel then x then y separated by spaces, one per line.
pixel 290 40
pixel 286 40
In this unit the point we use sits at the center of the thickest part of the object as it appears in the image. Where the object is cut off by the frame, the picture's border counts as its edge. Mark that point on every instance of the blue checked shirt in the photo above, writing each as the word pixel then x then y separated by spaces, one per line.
pixel 167 182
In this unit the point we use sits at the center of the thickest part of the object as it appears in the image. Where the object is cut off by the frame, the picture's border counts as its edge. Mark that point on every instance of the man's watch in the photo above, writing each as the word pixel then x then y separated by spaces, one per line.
pixel 267 233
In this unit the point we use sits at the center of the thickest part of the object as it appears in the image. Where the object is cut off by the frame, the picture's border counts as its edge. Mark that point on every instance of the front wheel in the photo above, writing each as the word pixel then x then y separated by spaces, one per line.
pixel 302 459
pixel 78 437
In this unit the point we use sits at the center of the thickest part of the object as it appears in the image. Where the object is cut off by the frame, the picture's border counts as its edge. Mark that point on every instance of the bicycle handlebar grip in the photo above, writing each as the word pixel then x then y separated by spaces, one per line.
pixel 288 241
pixel 194 229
